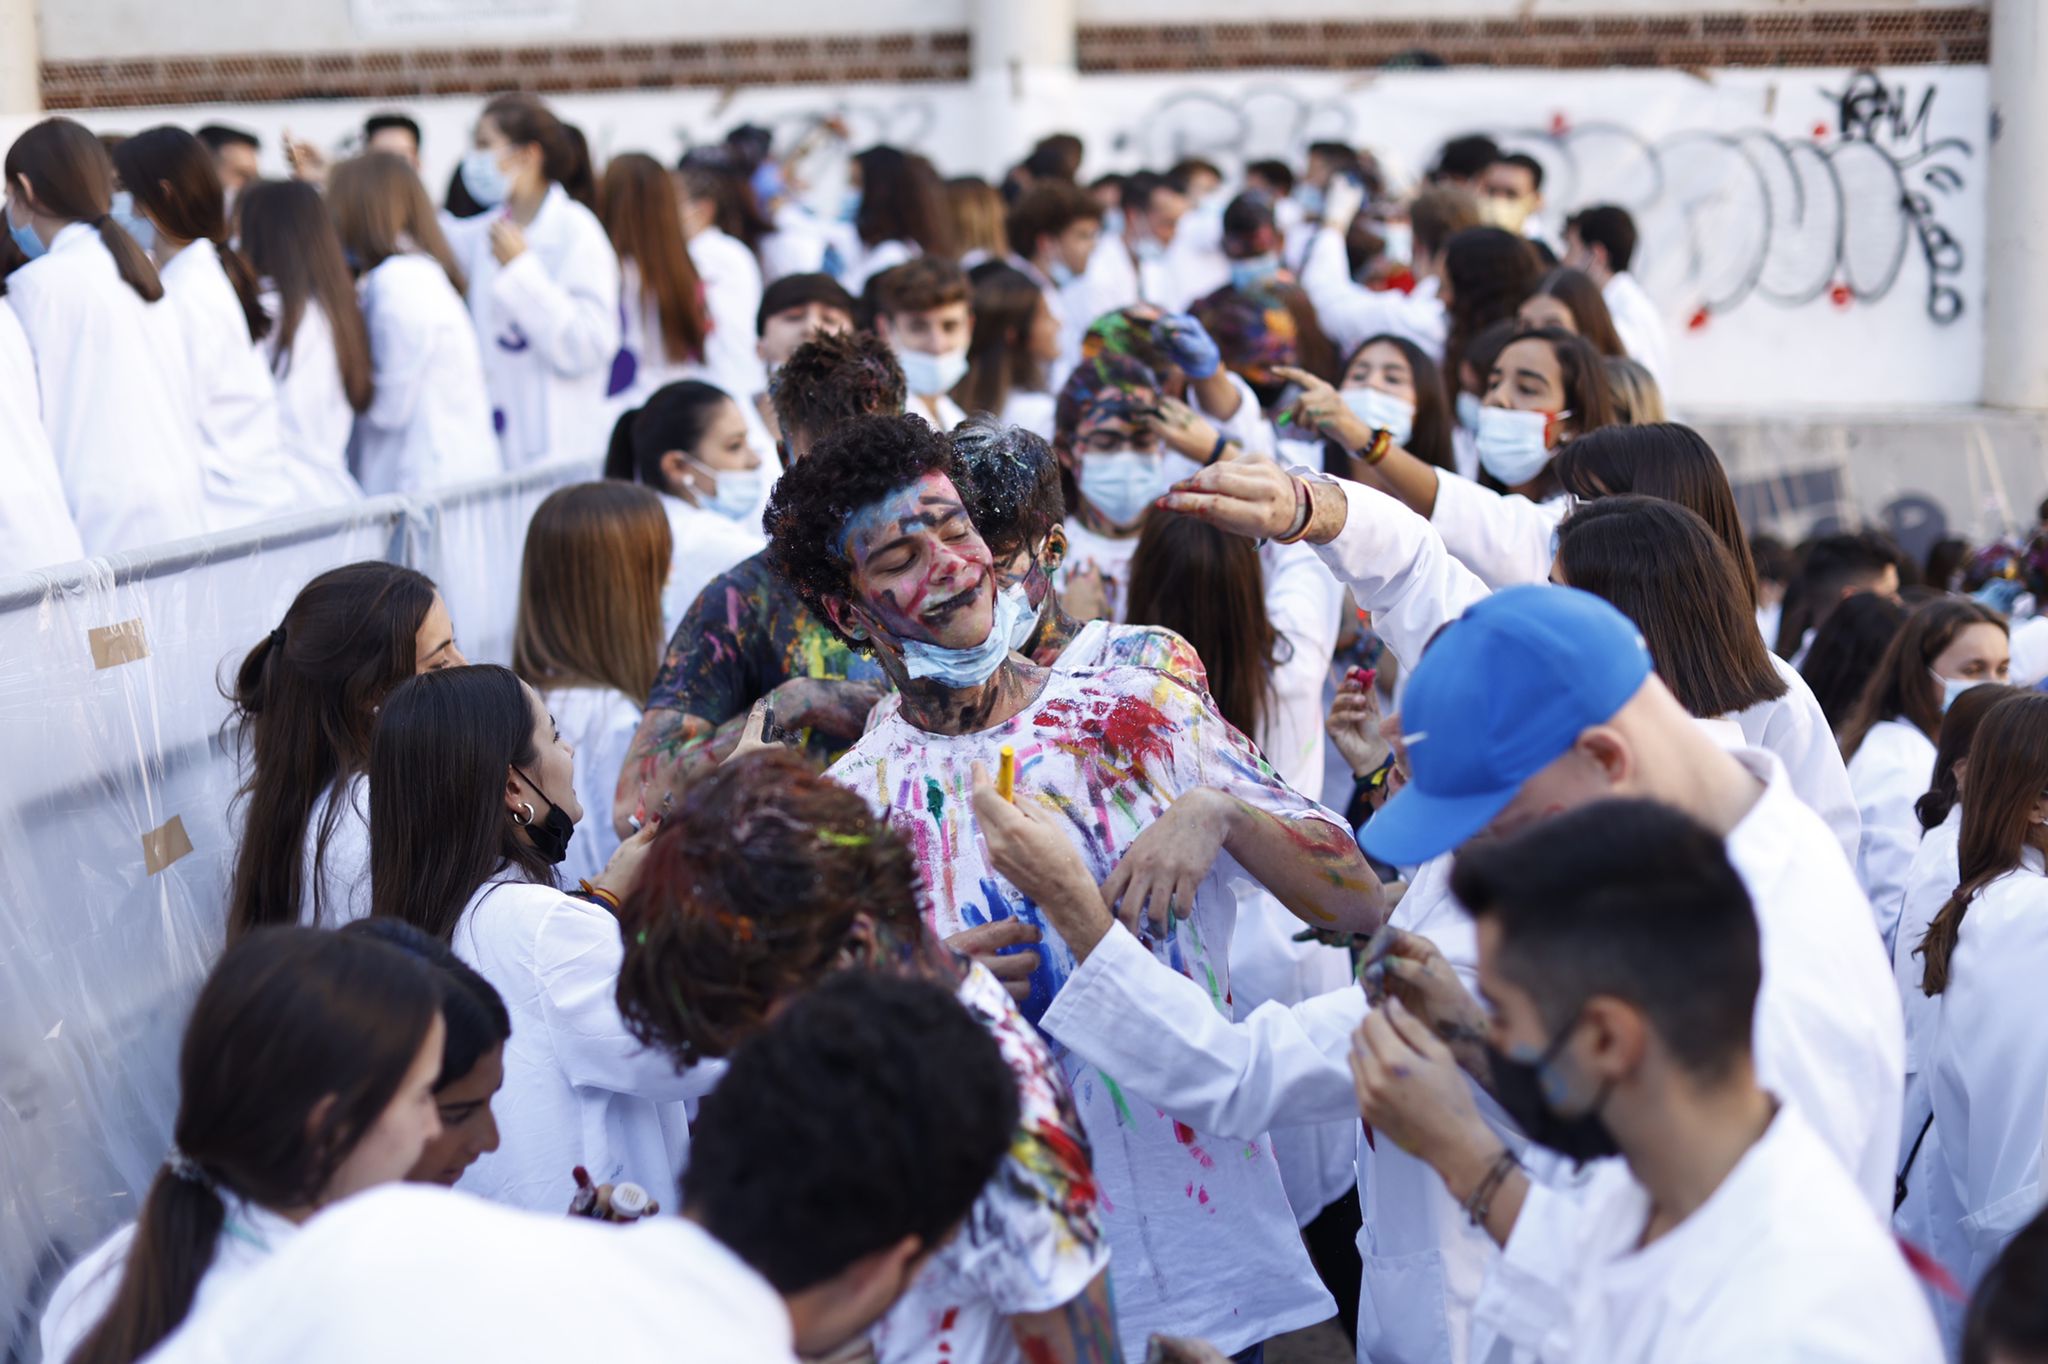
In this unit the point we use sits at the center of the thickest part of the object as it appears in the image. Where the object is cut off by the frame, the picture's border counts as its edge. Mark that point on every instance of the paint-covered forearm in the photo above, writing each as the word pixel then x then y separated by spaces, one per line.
pixel 669 751
pixel 1313 866
pixel 1081 1332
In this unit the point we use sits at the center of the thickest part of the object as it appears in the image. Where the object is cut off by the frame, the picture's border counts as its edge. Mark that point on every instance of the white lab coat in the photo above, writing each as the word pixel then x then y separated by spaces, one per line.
pixel 1503 537
pixel 549 326
pixel 864 262
pixel 2029 652
pixel 732 295
pixel 1793 727
pixel 1782 1262
pixel 249 476
pixel 704 545
pixel 247 1240
pixel 429 423
pixel 1892 768
pixel 342 876
pixel 36 529
pixel 598 723
pixel 1930 880
pixel 1988 1065
pixel 1640 326
pixel 110 368
pixel 579 1090
pixel 314 418
pixel 412 1274
pixel 1351 314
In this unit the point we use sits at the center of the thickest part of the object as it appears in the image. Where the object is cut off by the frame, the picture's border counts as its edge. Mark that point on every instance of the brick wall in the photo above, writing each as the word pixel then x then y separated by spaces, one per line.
pixel 1954 35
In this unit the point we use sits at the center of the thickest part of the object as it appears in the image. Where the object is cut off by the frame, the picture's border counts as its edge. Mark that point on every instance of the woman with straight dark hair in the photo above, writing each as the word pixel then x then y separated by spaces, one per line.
pixel 1846 651
pixel 211 290
pixel 1930 880
pixel 1569 300
pixel 1986 954
pixel 1664 460
pixel 306 699
pixel 472 1059
pixel 662 300
pixel 84 301
pixel 430 422
pixel 897 209
pixel 1015 339
pixel 1945 647
pixel 318 345
pixel 306 1076
pixel 589 634
pixel 472 807
pixel 1669 573
pixel 691 443
pixel 543 285
pixel 1390 383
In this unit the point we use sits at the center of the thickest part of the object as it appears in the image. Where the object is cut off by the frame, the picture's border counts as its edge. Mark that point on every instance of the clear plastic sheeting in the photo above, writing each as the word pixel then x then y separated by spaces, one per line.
pixel 117 834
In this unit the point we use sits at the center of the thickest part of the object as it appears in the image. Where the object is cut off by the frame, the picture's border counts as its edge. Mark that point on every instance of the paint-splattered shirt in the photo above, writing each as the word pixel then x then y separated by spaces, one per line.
pixel 1033 1241
pixel 747 633
pixel 1203 1242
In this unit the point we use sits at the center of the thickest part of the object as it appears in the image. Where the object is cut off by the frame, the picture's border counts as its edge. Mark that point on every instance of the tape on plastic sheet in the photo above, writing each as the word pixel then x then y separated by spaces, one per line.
pixel 113 645
pixel 165 844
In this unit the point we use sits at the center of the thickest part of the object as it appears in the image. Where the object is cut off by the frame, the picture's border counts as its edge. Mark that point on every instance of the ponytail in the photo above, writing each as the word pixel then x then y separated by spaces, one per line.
pixel 1938 943
pixel 242 275
pixel 173 1248
pixel 171 173
pixel 675 418
pixel 69 173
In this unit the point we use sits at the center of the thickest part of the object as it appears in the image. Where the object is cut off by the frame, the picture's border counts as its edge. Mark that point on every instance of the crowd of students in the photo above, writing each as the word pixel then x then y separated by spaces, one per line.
pixel 1113 769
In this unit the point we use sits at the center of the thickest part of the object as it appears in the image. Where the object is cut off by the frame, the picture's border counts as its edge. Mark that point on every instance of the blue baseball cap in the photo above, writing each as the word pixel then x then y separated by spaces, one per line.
pixel 1500 695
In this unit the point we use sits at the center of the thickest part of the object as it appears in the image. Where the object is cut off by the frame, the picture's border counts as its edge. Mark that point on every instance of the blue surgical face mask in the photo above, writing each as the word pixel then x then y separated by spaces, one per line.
pixel 736 492
pixel 31 245
pixel 1382 412
pixel 1469 408
pixel 133 223
pixel 1061 273
pixel 1952 687
pixel 1122 484
pixel 1254 271
pixel 969 667
pixel 1027 619
pixel 484 178
pixel 927 375
pixel 1511 443
pixel 849 207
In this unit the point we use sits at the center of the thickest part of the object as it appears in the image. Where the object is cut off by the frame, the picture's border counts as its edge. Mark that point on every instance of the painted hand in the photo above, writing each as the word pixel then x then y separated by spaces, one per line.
pixel 1086 594
pixel 1184 430
pixel 1189 344
pixel 1421 980
pixel 985 943
pixel 1250 497
pixel 1028 848
pixel 1409 1088
pixel 1322 408
pixel 1353 724
pixel 833 707
pixel 1166 863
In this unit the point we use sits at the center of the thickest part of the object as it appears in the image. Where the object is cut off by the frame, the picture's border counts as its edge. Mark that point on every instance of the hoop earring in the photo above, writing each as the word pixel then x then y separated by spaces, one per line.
pixel 527 810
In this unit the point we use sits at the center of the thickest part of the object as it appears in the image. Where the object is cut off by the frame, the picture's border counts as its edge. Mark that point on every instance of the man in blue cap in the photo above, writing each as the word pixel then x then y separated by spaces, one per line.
pixel 1539 700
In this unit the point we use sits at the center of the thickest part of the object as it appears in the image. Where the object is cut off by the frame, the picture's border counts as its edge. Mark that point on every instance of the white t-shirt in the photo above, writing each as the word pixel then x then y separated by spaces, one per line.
pixel 1111 555
pixel 412 1274
pixel 1033 1241
pixel 342 877
pixel 246 1241
pixel 1784 1261
pixel 599 724
pixel 1202 1238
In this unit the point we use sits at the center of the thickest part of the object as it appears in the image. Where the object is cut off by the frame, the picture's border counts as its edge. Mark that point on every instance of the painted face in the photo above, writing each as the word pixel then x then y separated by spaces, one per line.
pixel 1381 365
pixel 1541 310
pixel 919 569
pixel 1978 653
pixel 1032 568
pixel 392 1146
pixel 468 1127
pixel 791 327
pixel 434 643
pixel 1111 423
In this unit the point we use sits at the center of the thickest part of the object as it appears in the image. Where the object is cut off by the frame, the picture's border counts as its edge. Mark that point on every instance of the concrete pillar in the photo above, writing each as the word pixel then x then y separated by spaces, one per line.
pixel 1024 74
pixel 2016 250
pixel 21 56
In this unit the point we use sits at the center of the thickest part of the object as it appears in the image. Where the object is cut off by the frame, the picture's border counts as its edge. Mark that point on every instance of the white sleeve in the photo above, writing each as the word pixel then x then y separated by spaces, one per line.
pixel 1248 425
pixel 1891 834
pixel 1506 540
pixel 399 345
pixel 1128 1014
pixel 574 321
pixel 577 954
pixel 2030 651
pixel 1399 569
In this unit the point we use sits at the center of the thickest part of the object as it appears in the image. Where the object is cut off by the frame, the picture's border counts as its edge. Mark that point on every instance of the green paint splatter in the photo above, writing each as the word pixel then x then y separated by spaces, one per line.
pixel 839 840
pixel 1123 1110
pixel 934 798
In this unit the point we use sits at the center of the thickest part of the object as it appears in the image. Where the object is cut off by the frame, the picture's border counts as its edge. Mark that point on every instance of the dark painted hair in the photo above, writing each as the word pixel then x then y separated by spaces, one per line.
pixel 305 703
pixel 172 174
pixel 72 177
pixel 1015 496
pixel 833 378
pixel 445 744
pixel 288 1019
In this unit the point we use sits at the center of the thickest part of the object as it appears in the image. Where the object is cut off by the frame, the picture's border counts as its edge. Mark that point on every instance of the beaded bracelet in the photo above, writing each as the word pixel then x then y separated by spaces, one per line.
pixel 1304 512
pixel 1376 450
pixel 1481 1202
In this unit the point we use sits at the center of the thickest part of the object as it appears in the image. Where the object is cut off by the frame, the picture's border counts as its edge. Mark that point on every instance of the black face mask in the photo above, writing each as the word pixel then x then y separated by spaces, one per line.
pixel 1518 1087
pixel 551 834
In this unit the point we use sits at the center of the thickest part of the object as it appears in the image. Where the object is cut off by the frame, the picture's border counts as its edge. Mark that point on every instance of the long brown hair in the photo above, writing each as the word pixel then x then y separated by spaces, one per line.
pixel 1583 300
pixel 305 700
pixel 382 210
pixel 597 555
pixel 1585 397
pixel 72 177
pixel 2008 775
pixel 641 218
pixel 1903 687
pixel 978 213
pixel 171 173
pixel 999 358
pixel 1208 586
pixel 298 1043
pixel 289 238
pixel 1952 750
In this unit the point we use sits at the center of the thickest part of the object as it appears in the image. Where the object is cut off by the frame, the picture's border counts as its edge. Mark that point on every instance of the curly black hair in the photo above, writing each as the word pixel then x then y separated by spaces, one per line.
pixel 1016 498
pixel 833 378
pixel 861 462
